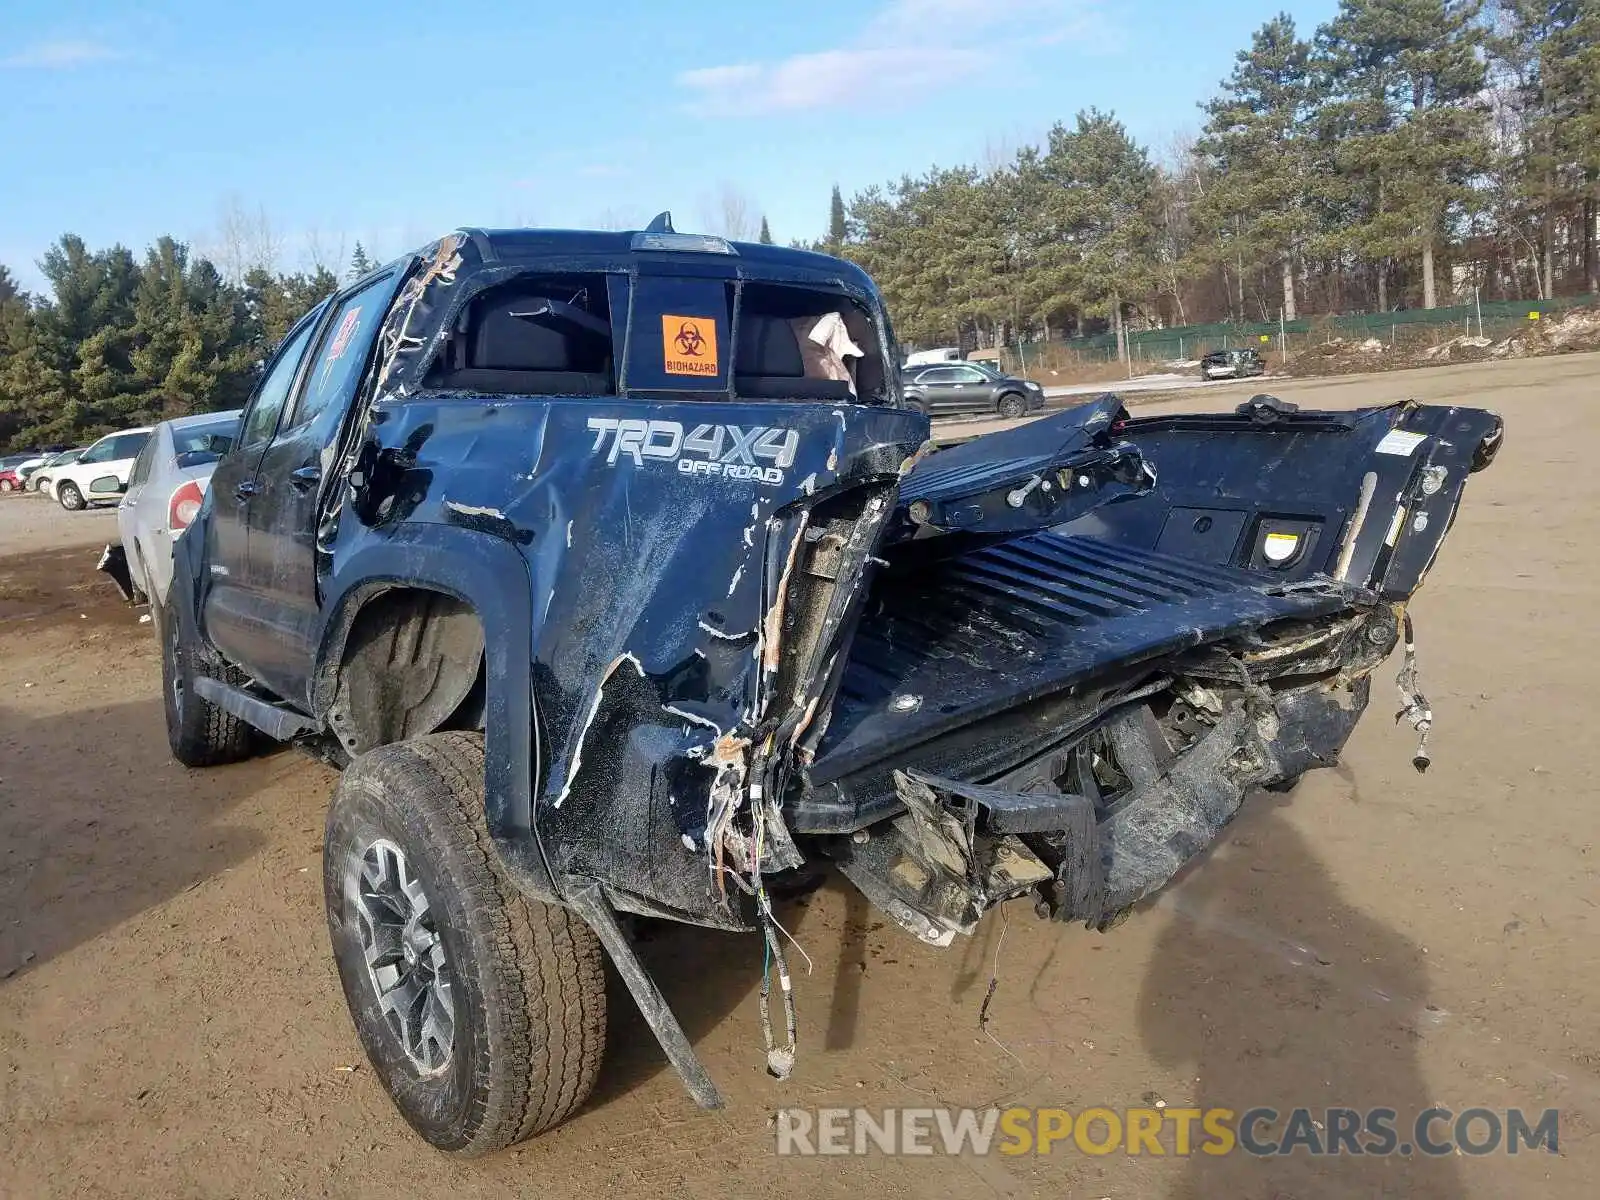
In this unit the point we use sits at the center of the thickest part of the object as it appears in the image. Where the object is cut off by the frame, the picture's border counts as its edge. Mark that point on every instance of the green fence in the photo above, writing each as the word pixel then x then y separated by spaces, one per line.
pixel 1493 319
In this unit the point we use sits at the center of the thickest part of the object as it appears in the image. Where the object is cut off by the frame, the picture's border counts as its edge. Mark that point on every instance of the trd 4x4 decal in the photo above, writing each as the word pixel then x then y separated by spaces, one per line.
pixel 730 451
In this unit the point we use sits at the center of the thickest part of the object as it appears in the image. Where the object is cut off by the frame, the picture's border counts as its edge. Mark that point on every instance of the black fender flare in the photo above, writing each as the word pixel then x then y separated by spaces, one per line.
pixel 489 574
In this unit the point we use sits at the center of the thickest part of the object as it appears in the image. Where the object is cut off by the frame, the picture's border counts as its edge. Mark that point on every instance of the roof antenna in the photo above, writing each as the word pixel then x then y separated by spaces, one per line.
pixel 662 224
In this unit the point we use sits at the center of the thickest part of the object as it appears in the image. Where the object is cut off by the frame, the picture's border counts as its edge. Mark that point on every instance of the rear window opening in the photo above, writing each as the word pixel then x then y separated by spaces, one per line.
pixel 552 335
pixel 538 335
pixel 796 343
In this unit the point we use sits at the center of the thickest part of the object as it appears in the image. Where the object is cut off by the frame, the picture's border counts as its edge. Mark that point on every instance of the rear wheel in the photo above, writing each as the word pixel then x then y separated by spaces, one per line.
pixel 482 1011
pixel 7 486
pixel 200 733
pixel 1012 405
pixel 70 497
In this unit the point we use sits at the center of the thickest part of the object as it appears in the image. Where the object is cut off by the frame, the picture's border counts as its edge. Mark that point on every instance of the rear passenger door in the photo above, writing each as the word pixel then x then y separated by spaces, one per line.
pixel 290 477
pixel 976 390
pixel 956 389
pixel 937 389
pixel 229 608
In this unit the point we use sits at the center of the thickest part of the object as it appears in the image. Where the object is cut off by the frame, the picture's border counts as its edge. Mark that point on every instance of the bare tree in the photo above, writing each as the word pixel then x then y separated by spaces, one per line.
pixel 732 213
pixel 1178 183
pixel 246 240
pixel 319 252
pixel 999 153
pixel 620 218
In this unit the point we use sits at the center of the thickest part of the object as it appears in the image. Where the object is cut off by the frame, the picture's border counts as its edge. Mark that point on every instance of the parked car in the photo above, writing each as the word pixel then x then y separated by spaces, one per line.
pixel 165 490
pixel 1232 364
pixel 950 388
pixel 39 481
pixel 606 609
pixel 31 468
pixel 11 478
pixel 101 472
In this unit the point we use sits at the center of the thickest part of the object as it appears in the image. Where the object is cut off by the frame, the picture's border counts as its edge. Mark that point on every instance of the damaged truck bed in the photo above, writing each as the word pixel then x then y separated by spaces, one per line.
pixel 618 578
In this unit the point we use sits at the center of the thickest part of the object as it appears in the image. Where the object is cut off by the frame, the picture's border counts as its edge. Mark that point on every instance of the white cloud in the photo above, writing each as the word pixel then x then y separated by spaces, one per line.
pixel 61 55
pixel 909 47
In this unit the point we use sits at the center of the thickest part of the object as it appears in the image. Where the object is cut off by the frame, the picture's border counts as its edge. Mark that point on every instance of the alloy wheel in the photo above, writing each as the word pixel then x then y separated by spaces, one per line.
pixel 405 956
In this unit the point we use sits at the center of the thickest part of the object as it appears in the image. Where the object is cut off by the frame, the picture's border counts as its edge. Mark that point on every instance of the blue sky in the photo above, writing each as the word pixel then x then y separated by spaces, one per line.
pixel 392 122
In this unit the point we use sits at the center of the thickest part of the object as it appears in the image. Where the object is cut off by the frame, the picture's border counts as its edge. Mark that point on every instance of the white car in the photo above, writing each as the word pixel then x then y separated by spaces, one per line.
pixel 165 492
pixel 101 472
pixel 39 481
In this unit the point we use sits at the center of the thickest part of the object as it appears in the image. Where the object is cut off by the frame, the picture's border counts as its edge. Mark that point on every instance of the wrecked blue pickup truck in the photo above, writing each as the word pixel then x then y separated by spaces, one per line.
pixel 617 578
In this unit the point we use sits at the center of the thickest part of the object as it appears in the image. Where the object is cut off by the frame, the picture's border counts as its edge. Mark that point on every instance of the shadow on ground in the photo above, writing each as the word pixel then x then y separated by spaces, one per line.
pixel 97 824
pixel 1276 991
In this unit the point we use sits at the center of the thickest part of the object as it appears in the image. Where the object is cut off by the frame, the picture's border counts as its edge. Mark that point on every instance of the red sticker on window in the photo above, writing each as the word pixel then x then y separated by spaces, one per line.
pixel 346 331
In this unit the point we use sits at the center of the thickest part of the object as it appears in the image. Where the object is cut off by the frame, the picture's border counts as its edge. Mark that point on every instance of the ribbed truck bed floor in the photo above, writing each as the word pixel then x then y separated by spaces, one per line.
pixel 952 642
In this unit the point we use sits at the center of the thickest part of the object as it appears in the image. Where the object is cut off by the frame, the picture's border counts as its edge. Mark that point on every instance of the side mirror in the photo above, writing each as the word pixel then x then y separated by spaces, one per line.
pixel 107 485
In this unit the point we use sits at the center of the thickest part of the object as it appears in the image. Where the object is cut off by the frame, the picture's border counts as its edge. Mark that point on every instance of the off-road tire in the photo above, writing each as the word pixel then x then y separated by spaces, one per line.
pixel 1012 406
pixel 69 497
pixel 526 979
pixel 200 733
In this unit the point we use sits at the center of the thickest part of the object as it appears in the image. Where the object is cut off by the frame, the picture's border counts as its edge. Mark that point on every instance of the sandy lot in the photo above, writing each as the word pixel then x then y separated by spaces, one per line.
pixel 170 1022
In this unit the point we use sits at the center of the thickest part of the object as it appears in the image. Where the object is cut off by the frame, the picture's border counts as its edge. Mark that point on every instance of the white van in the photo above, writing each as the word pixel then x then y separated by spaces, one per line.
pixel 924 358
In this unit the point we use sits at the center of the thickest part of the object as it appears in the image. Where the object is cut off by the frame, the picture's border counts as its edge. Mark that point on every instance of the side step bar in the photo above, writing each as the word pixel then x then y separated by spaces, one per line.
pixel 282 724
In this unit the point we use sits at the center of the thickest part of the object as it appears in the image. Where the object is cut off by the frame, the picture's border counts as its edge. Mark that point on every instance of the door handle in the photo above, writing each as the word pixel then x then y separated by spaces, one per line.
pixel 246 489
pixel 305 478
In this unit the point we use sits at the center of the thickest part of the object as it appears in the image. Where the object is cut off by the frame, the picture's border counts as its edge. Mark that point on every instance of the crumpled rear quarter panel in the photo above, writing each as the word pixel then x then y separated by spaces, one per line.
pixel 653 589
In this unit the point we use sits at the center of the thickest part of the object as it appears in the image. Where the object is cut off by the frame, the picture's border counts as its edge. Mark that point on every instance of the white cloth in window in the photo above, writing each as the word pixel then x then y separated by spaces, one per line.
pixel 825 343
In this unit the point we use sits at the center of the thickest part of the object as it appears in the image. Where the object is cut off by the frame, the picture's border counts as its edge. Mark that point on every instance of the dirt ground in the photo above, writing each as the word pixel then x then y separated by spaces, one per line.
pixel 171 1025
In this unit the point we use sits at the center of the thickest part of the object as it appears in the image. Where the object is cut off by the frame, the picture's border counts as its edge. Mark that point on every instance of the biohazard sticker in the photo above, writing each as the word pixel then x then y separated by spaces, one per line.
pixel 689 345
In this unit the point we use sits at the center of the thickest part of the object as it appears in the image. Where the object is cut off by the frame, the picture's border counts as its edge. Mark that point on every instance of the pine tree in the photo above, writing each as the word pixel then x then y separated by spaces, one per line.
pixel 1102 209
pixel 766 232
pixel 276 302
pixel 1551 49
pixel 77 368
pixel 360 264
pixel 838 231
pixel 192 345
pixel 15 335
pixel 1406 78
pixel 1258 135
pixel 1575 82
